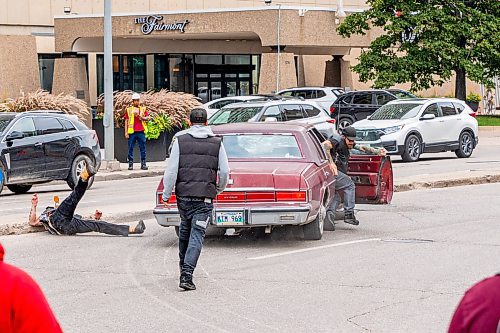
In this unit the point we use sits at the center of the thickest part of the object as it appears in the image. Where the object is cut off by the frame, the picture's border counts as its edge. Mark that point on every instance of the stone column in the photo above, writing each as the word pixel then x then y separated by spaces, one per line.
pixel 268 68
pixel 19 72
pixel 70 77
pixel 333 72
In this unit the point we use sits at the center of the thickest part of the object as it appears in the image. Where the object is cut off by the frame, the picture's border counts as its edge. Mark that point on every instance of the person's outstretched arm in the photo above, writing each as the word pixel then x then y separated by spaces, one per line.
pixel 33 220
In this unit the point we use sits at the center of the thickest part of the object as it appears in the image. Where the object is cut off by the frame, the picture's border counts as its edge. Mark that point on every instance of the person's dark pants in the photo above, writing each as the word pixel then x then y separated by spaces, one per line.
pixel 196 215
pixel 344 188
pixel 64 221
pixel 139 137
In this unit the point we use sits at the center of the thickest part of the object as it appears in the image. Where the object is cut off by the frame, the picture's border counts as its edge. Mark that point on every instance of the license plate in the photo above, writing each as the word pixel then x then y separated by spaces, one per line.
pixel 229 218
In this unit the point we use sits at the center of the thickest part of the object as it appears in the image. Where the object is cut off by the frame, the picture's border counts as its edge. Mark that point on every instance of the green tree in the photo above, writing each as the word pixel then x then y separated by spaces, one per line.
pixel 425 42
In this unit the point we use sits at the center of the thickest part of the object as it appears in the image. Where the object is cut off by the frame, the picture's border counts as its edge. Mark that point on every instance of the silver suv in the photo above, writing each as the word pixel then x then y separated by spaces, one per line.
pixel 276 109
pixel 324 96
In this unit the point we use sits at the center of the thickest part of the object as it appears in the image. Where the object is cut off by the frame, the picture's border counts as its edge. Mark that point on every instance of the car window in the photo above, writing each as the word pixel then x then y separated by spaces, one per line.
pixel 459 107
pixel 447 108
pixel 4 122
pixel 320 93
pixel 221 104
pixel 362 99
pixel 68 126
pixel 396 111
pixel 317 142
pixel 261 146
pixel 337 92
pixel 288 93
pixel 311 111
pixel 292 112
pixel 402 94
pixel 432 109
pixel 234 115
pixel 305 94
pixel 384 98
pixel 25 126
pixel 346 99
pixel 48 125
pixel 273 112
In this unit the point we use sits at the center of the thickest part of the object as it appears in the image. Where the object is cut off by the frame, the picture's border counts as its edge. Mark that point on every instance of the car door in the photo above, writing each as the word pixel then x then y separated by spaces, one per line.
pixel 452 123
pixel 25 157
pixel 55 141
pixel 432 129
pixel 363 105
pixel 373 177
pixel 325 174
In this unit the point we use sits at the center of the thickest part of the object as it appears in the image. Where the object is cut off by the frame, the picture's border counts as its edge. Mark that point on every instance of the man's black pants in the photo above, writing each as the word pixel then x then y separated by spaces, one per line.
pixel 64 221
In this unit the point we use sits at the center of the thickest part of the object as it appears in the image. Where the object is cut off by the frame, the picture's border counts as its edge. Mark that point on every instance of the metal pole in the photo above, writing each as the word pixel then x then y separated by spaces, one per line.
pixel 279 50
pixel 109 127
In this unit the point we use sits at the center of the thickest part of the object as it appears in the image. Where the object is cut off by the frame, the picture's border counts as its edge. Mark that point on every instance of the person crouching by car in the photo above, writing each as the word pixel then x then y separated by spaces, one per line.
pixel 337 148
pixel 196 157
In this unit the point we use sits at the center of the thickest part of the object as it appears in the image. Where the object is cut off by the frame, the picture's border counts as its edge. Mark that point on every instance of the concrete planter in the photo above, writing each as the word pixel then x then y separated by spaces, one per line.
pixel 156 150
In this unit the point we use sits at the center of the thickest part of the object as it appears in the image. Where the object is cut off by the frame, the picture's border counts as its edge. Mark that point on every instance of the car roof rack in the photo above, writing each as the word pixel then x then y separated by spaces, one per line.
pixel 271 97
pixel 46 111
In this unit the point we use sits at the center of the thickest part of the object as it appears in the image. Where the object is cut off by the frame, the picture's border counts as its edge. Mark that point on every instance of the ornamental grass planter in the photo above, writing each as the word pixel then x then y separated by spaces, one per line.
pixel 156 150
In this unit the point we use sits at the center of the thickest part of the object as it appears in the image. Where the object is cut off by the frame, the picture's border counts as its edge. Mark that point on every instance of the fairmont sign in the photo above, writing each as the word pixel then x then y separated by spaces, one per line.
pixel 155 23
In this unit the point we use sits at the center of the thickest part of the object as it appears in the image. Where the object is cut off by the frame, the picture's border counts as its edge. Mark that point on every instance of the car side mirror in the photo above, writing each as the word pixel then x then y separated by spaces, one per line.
pixel 14 136
pixel 428 116
pixel 270 119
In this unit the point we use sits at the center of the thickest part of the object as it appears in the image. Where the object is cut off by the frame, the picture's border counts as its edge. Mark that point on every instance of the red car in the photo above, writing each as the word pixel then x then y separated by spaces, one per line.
pixel 280 176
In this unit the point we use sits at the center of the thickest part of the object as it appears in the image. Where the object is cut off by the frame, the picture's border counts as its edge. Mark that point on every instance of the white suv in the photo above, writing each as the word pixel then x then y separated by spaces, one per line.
pixel 276 109
pixel 411 127
pixel 324 96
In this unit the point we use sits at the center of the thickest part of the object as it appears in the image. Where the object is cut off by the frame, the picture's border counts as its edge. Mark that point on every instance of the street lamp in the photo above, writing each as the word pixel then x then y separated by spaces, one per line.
pixel 109 128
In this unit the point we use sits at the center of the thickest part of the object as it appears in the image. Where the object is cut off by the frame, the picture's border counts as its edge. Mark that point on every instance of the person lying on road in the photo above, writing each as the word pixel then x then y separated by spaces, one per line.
pixel 62 220
pixel 337 148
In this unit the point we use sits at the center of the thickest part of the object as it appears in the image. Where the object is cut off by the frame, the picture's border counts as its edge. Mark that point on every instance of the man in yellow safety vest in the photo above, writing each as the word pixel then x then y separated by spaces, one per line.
pixel 135 129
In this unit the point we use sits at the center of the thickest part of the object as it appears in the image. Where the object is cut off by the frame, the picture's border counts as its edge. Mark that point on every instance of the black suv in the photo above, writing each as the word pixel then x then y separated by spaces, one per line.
pixel 41 146
pixel 358 105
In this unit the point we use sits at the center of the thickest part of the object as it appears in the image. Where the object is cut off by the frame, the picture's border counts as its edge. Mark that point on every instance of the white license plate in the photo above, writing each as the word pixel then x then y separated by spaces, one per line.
pixel 230 218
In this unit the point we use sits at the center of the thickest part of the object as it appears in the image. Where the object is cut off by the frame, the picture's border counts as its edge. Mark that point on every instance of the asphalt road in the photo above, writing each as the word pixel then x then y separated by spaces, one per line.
pixel 404 269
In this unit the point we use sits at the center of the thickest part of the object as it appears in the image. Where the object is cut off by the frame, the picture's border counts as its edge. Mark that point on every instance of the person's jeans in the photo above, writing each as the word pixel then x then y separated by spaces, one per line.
pixel 64 221
pixel 139 137
pixel 196 215
pixel 344 187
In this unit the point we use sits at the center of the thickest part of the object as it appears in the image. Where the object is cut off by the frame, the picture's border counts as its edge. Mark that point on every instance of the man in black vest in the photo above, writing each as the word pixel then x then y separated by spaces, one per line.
pixel 196 157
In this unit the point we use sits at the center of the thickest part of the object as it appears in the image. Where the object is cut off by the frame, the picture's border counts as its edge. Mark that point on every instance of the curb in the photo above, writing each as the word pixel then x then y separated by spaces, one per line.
pixel 105 176
pixel 23 228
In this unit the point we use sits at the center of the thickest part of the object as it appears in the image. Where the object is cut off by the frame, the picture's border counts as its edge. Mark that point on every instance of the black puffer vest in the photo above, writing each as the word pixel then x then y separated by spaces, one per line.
pixel 198 166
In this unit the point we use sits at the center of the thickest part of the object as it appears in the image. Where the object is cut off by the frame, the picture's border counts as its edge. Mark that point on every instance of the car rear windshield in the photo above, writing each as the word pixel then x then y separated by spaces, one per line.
pixel 253 146
pixel 229 115
pixel 396 111
pixel 4 122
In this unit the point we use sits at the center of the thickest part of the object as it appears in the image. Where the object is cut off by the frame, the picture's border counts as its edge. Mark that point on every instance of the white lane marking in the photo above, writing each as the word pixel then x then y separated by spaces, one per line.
pixel 279 254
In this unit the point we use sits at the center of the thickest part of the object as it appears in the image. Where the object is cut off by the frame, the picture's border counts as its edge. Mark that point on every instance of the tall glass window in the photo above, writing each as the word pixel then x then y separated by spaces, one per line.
pixel 46 67
pixel 161 72
pixel 129 73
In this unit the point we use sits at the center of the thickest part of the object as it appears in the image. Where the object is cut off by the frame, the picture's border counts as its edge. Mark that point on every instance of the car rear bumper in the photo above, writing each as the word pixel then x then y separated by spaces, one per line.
pixel 254 216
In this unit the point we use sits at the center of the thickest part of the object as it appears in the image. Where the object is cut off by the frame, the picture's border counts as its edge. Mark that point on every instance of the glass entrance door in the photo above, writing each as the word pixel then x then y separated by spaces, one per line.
pixel 210 86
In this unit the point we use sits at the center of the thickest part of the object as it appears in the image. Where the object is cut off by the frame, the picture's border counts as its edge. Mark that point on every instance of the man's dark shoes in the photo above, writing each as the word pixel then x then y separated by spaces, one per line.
pixel 330 218
pixel 131 165
pixel 143 165
pixel 186 282
pixel 139 228
pixel 350 218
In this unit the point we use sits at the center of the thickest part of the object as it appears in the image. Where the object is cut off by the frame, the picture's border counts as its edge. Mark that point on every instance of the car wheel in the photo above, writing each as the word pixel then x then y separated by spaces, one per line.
pixel 345 122
pixel 466 145
pixel 77 167
pixel 413 149
pixel 19 189
pixel 314 229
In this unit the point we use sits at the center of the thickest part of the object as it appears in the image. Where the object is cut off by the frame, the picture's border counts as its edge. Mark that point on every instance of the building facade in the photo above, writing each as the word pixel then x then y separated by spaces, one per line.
pixel 211 48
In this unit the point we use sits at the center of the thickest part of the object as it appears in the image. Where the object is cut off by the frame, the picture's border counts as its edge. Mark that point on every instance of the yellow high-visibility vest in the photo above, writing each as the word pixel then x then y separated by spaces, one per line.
pixel 131 118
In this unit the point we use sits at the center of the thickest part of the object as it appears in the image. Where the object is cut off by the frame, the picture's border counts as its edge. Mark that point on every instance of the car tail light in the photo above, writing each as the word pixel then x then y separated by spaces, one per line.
pixel 472 114
pixel 331 121
pixel 332 109
pixel 171 200
pixel 261 196
pixel 231 197
pixel 298 196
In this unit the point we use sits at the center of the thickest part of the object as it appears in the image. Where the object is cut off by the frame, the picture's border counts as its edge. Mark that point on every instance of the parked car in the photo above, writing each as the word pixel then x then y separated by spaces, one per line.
pixel 38 147
pixel 401 94
pixel 280 109
pixel 411 127
pixel 357 105
pixel 324 96
pixel 215 105
pixel 280 176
